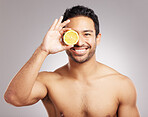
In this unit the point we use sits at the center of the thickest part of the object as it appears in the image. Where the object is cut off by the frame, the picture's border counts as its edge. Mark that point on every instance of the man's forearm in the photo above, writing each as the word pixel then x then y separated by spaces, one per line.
pixel 22 84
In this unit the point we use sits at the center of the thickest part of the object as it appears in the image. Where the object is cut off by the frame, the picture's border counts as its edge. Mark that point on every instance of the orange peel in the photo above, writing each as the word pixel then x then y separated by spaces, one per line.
pixel 71 37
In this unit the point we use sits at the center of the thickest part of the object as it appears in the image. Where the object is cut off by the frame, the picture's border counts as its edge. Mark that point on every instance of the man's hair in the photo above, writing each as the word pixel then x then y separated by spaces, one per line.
pixel 82 11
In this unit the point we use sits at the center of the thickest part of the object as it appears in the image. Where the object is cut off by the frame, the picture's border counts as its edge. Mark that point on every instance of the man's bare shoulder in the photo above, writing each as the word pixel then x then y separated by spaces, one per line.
pixel 62 70
pixel 123 85
pixel 55 75
pixel 122 82
pixel 127 90
pixel 48 76
pixel 123 79
pixel 115 76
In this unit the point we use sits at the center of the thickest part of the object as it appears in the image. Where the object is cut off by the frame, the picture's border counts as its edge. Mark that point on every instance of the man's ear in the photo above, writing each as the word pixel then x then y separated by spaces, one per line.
pixel 98 38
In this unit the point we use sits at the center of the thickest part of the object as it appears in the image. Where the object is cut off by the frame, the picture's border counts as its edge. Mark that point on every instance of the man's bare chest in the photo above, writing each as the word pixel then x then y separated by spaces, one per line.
pixel 83 100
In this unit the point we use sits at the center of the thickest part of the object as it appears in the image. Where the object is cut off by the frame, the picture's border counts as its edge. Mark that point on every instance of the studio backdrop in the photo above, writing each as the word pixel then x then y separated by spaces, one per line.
pixel 123 46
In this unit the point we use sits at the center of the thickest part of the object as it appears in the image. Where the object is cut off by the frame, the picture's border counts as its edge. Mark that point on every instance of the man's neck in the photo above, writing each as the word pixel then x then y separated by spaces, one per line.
pixel 83 70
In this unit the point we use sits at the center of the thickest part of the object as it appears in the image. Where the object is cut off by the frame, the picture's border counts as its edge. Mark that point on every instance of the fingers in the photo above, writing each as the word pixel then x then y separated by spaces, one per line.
pixel 66 47
pixel 58 23
pixel 65 23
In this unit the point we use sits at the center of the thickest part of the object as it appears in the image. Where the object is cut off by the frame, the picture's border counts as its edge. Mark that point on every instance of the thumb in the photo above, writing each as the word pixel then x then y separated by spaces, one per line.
pixel 66 47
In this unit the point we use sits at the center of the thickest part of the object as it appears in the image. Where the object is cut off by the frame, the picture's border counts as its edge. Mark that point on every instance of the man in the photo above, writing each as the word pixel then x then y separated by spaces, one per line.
pixel 81 88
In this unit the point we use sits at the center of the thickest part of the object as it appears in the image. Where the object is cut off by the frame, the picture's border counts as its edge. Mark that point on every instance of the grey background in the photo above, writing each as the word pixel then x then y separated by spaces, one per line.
pixel 124 26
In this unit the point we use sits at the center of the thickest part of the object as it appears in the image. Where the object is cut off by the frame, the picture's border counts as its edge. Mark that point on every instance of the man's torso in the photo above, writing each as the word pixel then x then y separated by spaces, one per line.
pixel 96 97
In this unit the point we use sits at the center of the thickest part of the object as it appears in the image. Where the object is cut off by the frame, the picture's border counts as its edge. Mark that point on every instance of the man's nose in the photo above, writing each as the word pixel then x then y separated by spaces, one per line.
pixel 81 41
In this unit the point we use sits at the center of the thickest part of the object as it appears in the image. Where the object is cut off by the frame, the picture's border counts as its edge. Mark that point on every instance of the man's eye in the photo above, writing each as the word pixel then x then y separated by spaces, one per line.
pixel 87 34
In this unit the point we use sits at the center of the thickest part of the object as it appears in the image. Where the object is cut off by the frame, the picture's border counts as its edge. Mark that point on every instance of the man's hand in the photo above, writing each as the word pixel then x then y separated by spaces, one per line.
pixel 52 41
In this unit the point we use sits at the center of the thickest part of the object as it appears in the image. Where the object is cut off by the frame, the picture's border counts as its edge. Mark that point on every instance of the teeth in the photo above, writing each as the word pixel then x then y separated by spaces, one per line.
pixel 80 50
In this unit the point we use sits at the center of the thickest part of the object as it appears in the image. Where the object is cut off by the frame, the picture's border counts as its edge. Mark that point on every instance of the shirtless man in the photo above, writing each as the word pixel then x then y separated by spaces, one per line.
pixel 81 88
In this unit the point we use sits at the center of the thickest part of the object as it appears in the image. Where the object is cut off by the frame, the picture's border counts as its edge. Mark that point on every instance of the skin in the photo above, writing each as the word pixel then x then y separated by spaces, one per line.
pixel 81 88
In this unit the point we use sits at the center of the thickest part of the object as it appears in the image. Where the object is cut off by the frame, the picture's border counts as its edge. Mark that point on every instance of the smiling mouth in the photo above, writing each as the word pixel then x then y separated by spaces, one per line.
pixel 79 50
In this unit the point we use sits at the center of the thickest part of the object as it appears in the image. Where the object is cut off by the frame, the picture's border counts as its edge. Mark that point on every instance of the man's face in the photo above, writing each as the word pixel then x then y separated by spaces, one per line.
pixel 86 46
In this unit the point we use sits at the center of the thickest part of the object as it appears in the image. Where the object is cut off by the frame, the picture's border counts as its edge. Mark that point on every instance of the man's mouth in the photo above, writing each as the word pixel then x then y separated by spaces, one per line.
pixel 79 50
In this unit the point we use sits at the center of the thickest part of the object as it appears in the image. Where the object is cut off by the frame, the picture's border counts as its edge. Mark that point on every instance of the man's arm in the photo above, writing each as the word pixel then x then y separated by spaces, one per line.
pixel 127 99
pixel 24 83
pixel 25 89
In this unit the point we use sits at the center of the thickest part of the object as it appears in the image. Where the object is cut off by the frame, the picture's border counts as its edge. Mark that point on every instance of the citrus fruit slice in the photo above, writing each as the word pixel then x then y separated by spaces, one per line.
pixel 71 37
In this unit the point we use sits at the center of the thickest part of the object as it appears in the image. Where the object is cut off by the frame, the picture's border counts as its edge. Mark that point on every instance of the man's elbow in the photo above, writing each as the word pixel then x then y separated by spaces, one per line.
pixel 12 99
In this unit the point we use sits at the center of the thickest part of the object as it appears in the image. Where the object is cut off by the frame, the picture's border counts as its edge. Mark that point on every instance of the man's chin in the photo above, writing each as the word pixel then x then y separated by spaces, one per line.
pixel 79 59
pixel 80 62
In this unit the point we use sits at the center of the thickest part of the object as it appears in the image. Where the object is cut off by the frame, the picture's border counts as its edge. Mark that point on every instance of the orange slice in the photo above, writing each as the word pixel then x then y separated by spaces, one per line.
pixel 71 37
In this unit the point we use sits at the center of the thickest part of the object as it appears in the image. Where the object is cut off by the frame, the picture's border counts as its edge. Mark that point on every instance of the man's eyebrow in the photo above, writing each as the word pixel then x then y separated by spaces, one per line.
pixel 87 30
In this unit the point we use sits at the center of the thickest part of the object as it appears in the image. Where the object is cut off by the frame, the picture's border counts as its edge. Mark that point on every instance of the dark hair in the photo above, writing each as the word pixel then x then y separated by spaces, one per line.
pixel 82 11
